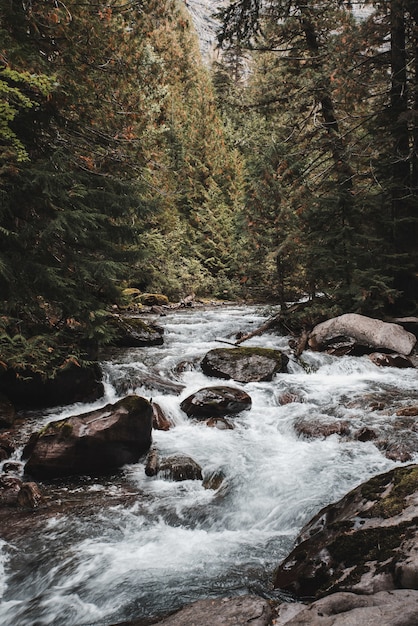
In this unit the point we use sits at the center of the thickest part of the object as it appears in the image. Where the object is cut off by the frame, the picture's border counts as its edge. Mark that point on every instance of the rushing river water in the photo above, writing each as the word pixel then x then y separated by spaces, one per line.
pixel 161 544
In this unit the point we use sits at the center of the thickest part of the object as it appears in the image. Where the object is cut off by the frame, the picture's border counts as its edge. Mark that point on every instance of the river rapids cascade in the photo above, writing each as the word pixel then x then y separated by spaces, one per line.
pixel 138 546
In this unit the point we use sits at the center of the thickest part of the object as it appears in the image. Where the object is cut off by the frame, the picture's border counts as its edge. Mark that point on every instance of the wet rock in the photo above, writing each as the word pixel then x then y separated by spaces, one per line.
pixel 152 463
pixel 151 381
pixel 366 542
pixel 12 467
pixel 214 481
pixel 365 434
pixel 7 412
pixel 219 422
pixel 364 333
pixel 180 467
pixel 397 451
pixel 6 447
pixel 27 389
pixel 236 611
pixel 407 411
pixel 215 402
pixel 160 421
pixel 244 364
pixel 395 608
pixel 92 443
pixel 287 397
pixel 316 428
pixel 390 360
pixel 29 496
pixel 9 489
pixel 132 332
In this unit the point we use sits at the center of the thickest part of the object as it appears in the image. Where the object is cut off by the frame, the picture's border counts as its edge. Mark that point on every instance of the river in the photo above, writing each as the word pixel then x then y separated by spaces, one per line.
pixel 141 546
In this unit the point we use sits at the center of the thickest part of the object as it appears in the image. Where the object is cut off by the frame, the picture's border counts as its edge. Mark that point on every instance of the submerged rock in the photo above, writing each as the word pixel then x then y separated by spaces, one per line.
pixel 244 365
pixel 364 543
pixel 359 333
pixel 92 443
pixel 180 467
pixel 215 402
pixel 315 428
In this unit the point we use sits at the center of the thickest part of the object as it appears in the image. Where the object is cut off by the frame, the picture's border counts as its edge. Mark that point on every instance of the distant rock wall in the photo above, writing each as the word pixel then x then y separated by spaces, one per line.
pixel 202 13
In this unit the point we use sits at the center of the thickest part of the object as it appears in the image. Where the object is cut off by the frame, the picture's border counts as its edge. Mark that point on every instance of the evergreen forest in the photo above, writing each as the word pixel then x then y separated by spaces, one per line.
pixel 285 168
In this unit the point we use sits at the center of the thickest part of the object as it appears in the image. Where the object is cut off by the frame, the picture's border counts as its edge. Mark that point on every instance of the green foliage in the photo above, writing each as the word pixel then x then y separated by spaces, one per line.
pixel 330 157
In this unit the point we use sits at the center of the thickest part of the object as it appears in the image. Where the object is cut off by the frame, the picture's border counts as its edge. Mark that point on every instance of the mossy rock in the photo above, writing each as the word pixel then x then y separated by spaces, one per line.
pixel 153 299
pixel 133 332
pixel 364 542
pixel 244 364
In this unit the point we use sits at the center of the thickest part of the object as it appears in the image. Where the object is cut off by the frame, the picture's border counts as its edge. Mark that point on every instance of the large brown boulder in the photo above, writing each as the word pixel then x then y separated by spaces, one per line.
pixel 216 402
pixel 353 333
pixel 92 443
pixel 364 543
pixel 244 365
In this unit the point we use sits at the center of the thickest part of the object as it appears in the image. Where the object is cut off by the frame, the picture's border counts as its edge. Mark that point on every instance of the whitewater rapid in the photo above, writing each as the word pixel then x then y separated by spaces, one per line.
pixel 171 543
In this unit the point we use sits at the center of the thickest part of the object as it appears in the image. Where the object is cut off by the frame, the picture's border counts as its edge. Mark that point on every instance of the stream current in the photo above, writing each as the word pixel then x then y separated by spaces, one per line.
pixel 141 546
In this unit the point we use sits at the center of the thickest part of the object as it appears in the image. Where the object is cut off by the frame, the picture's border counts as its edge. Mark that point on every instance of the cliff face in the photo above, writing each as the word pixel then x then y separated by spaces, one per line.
pixel 202 13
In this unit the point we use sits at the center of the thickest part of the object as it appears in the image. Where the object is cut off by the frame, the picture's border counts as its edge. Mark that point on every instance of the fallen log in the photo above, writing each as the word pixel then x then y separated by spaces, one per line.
pixel 260 330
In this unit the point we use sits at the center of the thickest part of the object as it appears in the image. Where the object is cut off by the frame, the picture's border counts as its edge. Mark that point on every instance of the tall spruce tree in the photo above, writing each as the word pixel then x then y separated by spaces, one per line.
pixel 324 109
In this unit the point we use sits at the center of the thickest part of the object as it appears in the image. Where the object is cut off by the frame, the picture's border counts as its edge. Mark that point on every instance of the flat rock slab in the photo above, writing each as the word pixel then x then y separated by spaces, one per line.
pixel 238 611
pixel 386 608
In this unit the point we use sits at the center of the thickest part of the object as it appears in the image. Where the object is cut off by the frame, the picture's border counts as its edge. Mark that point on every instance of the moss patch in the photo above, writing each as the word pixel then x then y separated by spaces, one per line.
pixel 404 483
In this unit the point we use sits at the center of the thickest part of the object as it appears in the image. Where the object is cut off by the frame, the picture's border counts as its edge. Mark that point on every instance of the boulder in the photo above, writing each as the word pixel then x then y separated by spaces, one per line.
pixel 27 389
pixel 390 360
pixel 9 490
pixel 132 332
pixel 364 543
pixel 152 463
pixel 6 447
pixel 244 365
pixel 395 608
pixel 360 334
pixel 7 412
pixel 215 402
pixel 160 421
pixel 180 467
pixel 236 611
pixel 93 443
pixel 29 496
pixel 154 299
pixel 321 428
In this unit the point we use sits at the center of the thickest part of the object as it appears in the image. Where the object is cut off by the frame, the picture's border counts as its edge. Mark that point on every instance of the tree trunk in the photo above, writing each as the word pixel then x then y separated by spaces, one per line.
pixel 401 184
